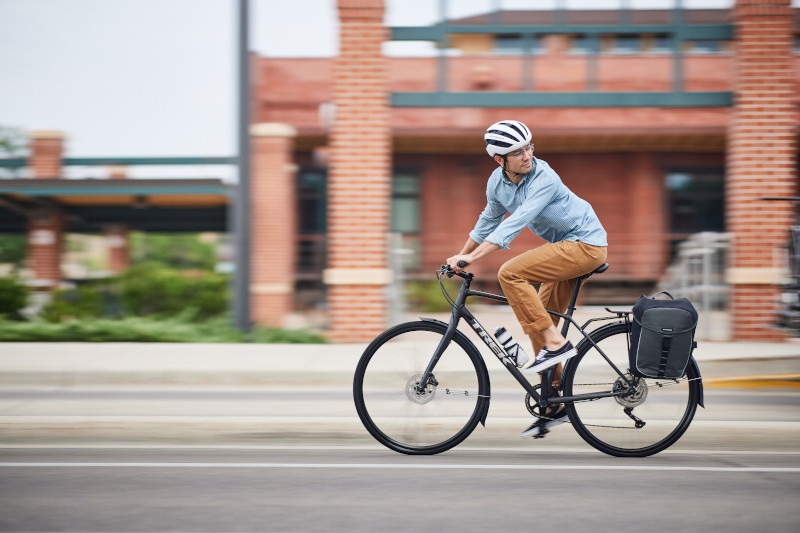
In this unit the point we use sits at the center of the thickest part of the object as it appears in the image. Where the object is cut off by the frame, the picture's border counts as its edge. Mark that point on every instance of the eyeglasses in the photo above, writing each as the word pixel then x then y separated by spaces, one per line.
pixel 519 154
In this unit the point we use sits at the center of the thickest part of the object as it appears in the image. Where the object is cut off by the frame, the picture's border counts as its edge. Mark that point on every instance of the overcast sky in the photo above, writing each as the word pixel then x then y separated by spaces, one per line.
pixel 158 77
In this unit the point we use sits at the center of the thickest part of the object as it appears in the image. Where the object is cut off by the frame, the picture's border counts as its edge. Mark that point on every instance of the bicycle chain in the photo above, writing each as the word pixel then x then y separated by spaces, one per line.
pixel 657 384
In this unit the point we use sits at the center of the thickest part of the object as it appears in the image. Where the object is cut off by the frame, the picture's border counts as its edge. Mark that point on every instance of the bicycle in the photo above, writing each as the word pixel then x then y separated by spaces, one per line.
pixel 421 388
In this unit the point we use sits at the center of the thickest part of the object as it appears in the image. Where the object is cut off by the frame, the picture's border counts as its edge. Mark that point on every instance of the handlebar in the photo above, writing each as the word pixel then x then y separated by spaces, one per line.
pixel 449 272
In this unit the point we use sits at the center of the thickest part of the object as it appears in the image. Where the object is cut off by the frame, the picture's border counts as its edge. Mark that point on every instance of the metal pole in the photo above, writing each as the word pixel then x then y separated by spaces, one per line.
pixel 242 203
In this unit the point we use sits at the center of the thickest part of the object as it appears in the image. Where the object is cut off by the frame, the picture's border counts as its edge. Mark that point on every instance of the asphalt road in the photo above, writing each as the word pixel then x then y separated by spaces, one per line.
pixel 295 458
pixel 365 489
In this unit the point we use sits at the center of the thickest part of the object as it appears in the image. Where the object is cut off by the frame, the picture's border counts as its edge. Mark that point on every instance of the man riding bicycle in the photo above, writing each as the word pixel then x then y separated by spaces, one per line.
pixel 576 245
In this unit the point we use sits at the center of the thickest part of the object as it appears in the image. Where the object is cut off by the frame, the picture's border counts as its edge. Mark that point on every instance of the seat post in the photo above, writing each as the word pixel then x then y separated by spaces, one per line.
pixel 572 301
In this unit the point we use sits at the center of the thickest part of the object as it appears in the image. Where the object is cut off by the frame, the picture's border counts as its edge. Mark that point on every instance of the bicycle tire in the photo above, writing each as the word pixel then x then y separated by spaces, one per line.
pixel 412 423
pixel 666 407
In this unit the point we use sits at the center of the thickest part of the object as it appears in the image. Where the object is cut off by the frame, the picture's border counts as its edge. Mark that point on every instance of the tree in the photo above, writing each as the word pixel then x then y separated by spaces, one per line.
pixel 12 144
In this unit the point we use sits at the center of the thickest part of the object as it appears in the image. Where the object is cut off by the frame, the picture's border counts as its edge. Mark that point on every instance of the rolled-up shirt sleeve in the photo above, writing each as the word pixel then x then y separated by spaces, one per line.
pixel 537 199
pixel 489 219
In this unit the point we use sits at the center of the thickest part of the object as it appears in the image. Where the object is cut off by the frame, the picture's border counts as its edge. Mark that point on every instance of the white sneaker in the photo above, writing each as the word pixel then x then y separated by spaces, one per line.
pixel 542 425
pixel 546 358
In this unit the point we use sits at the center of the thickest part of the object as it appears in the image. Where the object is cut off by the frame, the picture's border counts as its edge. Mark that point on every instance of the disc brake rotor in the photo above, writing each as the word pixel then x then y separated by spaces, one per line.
pixel 417 396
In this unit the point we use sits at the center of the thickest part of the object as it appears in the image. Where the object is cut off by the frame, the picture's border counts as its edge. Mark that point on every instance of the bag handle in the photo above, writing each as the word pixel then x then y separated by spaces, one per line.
pixel 659 331
pixel 662 292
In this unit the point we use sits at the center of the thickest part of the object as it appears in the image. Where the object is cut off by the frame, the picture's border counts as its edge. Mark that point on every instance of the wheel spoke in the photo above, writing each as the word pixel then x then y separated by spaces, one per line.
pixel 389 401
pixel 658 410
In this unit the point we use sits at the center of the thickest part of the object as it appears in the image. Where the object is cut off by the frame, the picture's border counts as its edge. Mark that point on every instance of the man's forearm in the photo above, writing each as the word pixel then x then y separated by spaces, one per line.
pixel 484 248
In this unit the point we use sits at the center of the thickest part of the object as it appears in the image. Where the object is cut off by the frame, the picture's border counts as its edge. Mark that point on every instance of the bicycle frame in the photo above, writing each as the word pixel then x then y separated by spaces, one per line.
pixel 543 400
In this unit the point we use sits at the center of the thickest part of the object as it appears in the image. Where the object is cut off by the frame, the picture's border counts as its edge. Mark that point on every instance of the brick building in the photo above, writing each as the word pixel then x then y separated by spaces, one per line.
pixel 667 122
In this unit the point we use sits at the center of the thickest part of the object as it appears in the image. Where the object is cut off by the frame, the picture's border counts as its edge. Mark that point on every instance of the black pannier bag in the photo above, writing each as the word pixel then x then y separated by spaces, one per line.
pixel 662 337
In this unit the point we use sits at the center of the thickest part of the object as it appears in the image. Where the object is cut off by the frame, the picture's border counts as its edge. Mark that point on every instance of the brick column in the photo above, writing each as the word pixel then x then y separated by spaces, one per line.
pixel 761 162
pixel 45 224
pixel 45 244
pixel 116 237
pixel 47 149
pixel 359 181
pixel 273 218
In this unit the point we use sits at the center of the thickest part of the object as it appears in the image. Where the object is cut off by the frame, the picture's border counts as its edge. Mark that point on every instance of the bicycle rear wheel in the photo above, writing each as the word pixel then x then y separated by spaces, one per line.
pixel 401 418
pixel 665 406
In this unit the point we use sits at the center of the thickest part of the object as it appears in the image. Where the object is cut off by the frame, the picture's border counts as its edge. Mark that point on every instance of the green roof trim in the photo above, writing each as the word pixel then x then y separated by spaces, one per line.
pixel 683 31
pixel 562 99
pixel 108 187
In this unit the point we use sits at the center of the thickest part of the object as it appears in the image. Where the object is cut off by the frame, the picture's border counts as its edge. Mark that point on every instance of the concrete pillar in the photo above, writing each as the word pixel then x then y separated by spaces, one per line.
pixel 359 180
pixel 273 194
pixel 761 154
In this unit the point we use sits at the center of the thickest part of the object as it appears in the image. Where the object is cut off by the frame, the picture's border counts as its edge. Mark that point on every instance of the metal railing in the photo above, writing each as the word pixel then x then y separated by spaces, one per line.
pixel 698 273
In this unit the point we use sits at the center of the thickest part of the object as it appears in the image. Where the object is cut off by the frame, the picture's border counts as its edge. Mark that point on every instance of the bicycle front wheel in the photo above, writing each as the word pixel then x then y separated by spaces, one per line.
pixel 415 422
pixel 645 422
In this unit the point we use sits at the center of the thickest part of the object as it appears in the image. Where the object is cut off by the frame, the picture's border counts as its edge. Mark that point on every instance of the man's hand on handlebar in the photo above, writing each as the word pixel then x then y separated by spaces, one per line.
pixel 458 262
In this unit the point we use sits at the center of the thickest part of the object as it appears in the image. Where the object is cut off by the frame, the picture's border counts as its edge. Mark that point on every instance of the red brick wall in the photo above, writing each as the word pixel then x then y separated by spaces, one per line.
pixel 359 184
pixel 273 224
pixel 762 150
pixel 626 191
pixel 291 90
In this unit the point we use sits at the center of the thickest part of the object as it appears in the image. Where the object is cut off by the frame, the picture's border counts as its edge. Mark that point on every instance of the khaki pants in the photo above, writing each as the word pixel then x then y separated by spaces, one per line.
pixel 555 266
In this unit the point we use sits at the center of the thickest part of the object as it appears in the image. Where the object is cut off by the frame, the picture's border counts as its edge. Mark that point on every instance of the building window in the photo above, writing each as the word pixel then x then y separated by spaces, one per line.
pixel 578 44
pixel 515 45
pixel 625 44
pixel 405 242
pixel 405 203
pixel 708 46
pixel 659 44
pixel 312 206
pixel 696 202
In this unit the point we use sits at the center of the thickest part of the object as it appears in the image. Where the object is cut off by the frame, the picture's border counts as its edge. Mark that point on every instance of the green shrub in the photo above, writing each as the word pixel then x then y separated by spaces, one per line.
pixel 176 250
pixel 85 301
pixel 427 296
pixel 139 329
pixel 13 298
pixel 160 291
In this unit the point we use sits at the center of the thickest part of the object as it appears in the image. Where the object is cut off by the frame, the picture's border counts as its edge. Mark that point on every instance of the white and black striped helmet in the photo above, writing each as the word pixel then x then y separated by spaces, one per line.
pixel 506 136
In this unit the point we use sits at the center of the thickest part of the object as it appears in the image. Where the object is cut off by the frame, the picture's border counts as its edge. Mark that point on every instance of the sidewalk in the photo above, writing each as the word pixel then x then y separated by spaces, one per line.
pixel 278 394
pixel 118 364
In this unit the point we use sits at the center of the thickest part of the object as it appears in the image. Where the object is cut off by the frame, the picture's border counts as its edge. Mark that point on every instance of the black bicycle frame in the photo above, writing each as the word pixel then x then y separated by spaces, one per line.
pixel 543 400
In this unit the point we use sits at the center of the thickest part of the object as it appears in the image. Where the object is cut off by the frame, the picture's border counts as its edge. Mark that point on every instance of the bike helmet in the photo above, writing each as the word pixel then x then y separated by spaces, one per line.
pixel 506 136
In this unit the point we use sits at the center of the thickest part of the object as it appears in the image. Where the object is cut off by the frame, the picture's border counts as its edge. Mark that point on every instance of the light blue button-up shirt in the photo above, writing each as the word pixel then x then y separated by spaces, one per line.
pixel 541 202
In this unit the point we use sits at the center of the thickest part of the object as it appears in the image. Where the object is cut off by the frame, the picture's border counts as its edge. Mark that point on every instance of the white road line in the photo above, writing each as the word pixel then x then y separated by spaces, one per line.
pixel 401 466
pixel 586 450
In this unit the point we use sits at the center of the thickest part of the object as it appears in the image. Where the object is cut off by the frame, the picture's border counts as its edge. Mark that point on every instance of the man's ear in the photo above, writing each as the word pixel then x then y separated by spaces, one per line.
pixel 499 160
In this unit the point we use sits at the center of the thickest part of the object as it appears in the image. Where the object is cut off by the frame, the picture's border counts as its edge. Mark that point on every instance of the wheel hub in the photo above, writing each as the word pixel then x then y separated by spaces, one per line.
pixel 415 395
pixel 636 397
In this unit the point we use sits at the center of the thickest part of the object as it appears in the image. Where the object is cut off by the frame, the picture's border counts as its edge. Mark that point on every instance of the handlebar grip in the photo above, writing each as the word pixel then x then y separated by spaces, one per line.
pixel 462 264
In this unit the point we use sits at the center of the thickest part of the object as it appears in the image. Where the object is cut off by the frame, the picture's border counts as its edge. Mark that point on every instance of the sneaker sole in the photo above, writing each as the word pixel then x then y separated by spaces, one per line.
pixel 553 423
pixel 535 369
